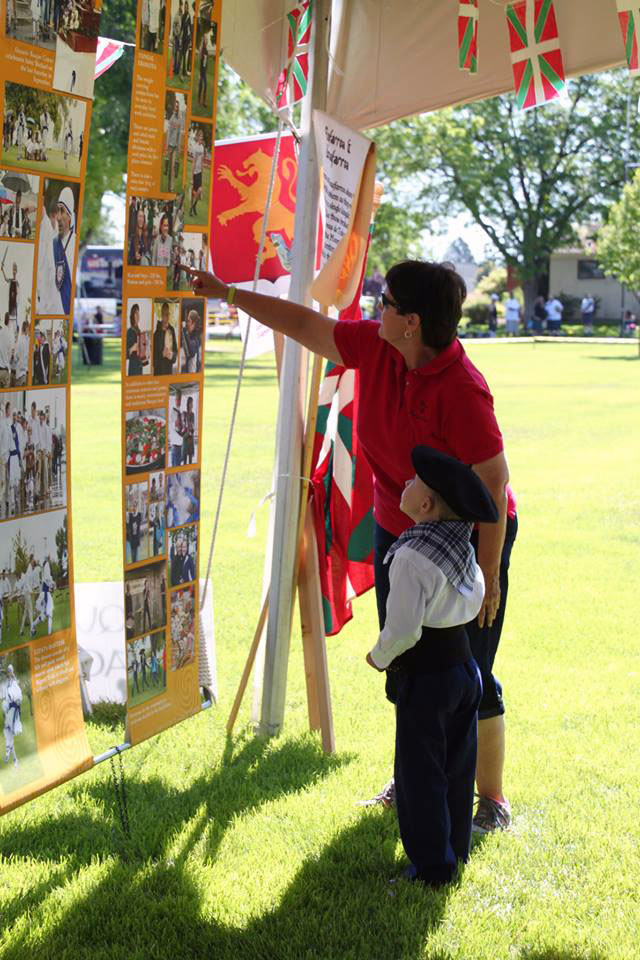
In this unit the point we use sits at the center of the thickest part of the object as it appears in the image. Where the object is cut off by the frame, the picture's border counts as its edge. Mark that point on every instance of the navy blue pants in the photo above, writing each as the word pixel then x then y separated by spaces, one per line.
pixel 435 766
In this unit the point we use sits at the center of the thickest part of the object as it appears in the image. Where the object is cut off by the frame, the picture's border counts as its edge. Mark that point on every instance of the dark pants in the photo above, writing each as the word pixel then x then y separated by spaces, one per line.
pixel 435 765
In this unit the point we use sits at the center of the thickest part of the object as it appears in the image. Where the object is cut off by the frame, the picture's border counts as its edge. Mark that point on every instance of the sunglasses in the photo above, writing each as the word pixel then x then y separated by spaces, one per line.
pixel 388 302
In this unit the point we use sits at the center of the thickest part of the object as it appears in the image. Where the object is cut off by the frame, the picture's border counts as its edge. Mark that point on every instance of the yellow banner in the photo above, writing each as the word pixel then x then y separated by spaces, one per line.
pixel 47 64
pixel 164 328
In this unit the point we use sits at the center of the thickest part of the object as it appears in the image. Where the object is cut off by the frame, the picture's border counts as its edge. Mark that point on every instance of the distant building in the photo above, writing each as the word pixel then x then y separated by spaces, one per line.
pixel 577 272
pixel 459 254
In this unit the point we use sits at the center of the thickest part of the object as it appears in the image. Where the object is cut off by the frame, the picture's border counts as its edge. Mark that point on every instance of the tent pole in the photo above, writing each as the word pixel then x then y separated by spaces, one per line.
pixel 291 404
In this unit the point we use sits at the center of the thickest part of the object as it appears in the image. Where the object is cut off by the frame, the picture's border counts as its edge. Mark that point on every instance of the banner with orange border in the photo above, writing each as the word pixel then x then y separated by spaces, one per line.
pixel 47 64
pixel 164 328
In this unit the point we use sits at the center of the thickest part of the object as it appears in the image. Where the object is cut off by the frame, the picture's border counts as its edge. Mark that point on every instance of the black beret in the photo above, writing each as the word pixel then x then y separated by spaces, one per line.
pixel 460 488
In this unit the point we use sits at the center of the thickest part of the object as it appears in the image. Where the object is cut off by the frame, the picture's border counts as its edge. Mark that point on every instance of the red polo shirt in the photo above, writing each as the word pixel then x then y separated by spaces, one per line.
pixel 445 404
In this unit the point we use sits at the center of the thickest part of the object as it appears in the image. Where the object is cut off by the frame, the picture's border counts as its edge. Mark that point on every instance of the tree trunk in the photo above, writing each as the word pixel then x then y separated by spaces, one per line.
pixel 530 289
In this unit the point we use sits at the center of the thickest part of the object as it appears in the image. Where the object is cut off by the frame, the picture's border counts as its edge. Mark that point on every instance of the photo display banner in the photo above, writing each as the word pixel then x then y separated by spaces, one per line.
pixel 164 329
pixel 47 64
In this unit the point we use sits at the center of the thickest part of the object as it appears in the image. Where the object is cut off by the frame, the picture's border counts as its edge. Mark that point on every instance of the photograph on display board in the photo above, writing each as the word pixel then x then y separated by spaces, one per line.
pixel 20 763
pixel 137 522
pixel 198 188
pixel 156 529
pixel 35 561
pixel 145 595
pixel 14 354
pixel 16 278
pixel 31 21
pixel 145 440
pixel 192 325
pixel 18 201
pixel 151 20
pixel 50 351
pixel 57 247
pixel 183 627
pixel 183 555
pixel 175 118
pixel 152 225
pixel 146 667
pixel 139 332
pixel 184 427
pixel 76 44
pixel 33 427
pixel 180 55
pixel 204 69
pixel 190 250
pixel 166 315
pixel 47 130
pixel 183 498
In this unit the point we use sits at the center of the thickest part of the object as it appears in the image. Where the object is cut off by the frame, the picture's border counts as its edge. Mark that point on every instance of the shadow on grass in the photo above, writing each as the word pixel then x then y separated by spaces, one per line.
pixel 564 953
pixel 603 356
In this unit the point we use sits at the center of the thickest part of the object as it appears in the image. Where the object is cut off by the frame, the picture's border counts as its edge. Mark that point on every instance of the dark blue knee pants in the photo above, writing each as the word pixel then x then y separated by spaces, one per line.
pixel 435 764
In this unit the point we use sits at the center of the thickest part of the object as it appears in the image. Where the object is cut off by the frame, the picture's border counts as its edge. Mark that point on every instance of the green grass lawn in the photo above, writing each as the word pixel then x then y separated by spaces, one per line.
pixel 11 631
pixel 247 848
pixel 55 162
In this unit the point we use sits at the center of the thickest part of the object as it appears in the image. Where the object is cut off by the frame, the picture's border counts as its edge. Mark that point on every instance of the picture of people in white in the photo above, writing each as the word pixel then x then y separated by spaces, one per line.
pixel 137 522
pixel 145 595
pixel 203 86
pixel 146 667
pixel 198 174
pixel 18 200
pixel 16 273
pixel 57 247
pixel 192 324
pixel 33 461
pixel 76 45
pixel 14 354
pixel 184 409
pixel 189 250
pixel 139 337
pixel 166 315
pixel 183 555
pixel 183 628
pixel 182 16
pixel 152 25
pixel 145 440
pixel 59 349
pixel 35 561
pixel 156 528
pixel 50 351
pixel 183 498
pixel 19 764
pixel 33 21
pixel 175 115
pixel 46 129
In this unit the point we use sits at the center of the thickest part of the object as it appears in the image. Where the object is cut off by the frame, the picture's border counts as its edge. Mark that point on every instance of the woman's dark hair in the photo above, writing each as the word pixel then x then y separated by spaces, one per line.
pixel 432 290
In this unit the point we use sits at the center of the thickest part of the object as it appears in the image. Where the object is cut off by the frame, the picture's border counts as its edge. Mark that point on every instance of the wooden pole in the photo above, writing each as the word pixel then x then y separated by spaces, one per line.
pixel 253 649
pixel 290 417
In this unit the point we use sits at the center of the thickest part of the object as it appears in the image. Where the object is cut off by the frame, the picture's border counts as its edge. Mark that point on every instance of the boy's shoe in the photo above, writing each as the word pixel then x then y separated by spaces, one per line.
pixel 491 815
pixel 386 797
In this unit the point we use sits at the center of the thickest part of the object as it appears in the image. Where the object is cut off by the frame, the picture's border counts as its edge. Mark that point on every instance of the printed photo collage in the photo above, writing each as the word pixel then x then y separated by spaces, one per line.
pixel 172 232
pixel 161 532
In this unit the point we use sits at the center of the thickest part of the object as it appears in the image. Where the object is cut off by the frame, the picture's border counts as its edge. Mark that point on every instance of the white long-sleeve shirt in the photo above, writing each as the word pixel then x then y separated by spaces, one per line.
pixel 421 595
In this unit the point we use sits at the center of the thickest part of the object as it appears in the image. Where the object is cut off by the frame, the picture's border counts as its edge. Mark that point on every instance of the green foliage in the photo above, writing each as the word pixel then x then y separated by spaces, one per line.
pixel 527 178
pixel 618 247
pixel 396 236
pixel 240 113
pixel 20 551
pixel 495 281
pixel 571 306
pixel 33 102
pixel 476 307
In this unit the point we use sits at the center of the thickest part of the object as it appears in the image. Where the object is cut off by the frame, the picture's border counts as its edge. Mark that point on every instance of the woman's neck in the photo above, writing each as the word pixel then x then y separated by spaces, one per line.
pixel 416 353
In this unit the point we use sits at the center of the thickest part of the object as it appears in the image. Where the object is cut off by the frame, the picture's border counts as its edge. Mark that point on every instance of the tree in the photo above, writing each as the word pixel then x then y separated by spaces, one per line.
pixel 527 178
pixel 617 244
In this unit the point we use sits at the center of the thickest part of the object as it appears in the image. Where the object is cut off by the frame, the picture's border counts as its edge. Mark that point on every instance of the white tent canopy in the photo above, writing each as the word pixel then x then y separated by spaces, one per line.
pixel 396 58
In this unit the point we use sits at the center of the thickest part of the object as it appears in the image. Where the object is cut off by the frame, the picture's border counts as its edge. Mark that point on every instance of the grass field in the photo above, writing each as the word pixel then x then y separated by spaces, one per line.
pixel 245 848
pixel 55 162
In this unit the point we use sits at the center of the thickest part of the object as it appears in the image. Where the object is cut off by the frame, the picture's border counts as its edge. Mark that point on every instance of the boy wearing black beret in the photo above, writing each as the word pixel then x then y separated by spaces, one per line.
pixel 436 587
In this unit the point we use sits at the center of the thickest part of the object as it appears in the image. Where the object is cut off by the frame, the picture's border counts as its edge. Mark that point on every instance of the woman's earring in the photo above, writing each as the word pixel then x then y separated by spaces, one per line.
pixel 408 334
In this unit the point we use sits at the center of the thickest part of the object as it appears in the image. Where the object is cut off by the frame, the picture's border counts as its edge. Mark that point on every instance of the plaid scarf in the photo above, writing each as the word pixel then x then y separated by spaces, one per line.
pixel 445 543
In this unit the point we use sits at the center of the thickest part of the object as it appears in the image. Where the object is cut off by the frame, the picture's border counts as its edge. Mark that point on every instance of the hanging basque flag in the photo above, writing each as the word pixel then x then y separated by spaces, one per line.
pixel 292 82
pixel 536 57
pixel 468 14
pixel 629 16
pixel 108 53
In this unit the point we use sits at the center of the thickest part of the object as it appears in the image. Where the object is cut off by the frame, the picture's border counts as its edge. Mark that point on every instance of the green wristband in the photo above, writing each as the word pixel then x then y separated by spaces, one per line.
pixel 231 295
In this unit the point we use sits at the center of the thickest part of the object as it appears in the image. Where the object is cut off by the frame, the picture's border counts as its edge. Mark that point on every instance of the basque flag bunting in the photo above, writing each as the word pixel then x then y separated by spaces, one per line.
pixel 536 57
pixel 629 16
pixel 468 35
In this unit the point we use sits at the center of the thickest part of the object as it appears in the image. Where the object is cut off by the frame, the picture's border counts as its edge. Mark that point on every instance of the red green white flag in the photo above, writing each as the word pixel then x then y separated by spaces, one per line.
pixel 536 56
pixel 293 80
pixel 629 16
pixel 468 14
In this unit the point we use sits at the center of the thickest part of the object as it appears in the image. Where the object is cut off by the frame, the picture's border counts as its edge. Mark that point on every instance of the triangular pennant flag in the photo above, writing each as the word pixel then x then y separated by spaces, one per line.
pixel 106 55
pixel 468 14
pixel 292 82
pixel 536 57
pixel 629 16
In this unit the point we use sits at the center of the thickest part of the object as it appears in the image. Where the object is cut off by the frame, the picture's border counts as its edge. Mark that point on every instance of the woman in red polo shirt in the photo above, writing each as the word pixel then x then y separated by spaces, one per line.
pixel 417 386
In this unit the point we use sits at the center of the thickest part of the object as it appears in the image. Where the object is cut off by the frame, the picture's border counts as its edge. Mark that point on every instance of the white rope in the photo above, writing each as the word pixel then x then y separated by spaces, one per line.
pixel 256 276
